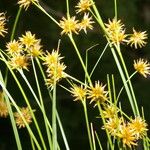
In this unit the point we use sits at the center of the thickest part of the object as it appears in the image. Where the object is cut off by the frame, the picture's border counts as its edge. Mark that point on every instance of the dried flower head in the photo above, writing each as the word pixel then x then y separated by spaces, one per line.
pixel 115 31
pixel 69 25
pixel 98 93
pixel 83 5
pixel 137 39
pixel 55 73
pixel 26 114
pixel 3 30
pixel 26 3
pixel 139 126
pixel 142 66
pixel 19 62
pixel 127 135
pixel 52 58
pixel 86 23
pixel 112 125
pixel 3 106
pixel 110 111
pixel 78 92
pixel 28 39
pixel 14 47
pixel 36 50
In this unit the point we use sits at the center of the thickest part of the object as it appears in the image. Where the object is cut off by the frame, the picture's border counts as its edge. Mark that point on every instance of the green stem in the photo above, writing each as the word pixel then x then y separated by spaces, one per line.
pixel 43 10
pixel 15 24
pixel 108 136
pixel 57 115
pixel 54 127
pixel 130 85
pixel 115 4
pixel 42 105
pixel 80 58
pixel 87 124
pixel 12 119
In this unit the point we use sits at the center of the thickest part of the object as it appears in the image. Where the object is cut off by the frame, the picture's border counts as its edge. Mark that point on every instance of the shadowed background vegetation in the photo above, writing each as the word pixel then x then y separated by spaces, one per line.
pixel 135 13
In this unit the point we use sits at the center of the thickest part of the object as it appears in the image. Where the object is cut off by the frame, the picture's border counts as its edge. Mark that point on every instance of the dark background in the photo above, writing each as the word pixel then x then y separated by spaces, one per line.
pixel 135 13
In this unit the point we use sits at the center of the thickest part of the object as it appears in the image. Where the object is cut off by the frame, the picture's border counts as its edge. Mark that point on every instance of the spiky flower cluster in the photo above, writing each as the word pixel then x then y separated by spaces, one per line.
pixel 96 93
pixel 20 51
pixel 70 25
pixel 3 29
pixel 128 132
pixel 3 106
pixel 55 68
pixel 116 32
pixel 26 3
pixel 26 114
pixel 142 66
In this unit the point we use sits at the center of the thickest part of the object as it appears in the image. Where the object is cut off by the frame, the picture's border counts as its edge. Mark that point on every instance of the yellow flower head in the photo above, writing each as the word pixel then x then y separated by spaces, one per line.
pixel 52 58
pixel 26 3
pixel 55 73
pixel 36 49
pixel 139 126
pixel 115 31
pixel 78 92
pixel 14 47
pixel 112 125
pixel 137 39
pixel 28 39
pixel 127 135
pixel 3 106
pixel 3 30
pixel 69 25
pixel 86 23
pixel 26 115
pixel 97 93
pixel 142 66
pixel 110 111
pixel 83 5
pixel 19 62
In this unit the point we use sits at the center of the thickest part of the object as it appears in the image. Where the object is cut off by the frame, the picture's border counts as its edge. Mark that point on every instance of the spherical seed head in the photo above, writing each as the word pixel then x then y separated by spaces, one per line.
pixel 142 66
pixel 27 116
pixel 97 93
pixel 28 39
pixel 112 125
pixel 78 92
pixel 137 39
pixel 139 126
pixel 69 25
pixel 127 135
pixel 83 5
pixel 3 106
pixel 115 31
pixel 86 23
pixel 14 47
pixel 3 30
pixel 26 3
pixel 19 62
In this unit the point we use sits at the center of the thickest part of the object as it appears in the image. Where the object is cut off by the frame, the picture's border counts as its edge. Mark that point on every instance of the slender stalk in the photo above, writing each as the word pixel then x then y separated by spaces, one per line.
pixel 42 104
pixel 57 115
pixel 54 128
pixel 108 136
pixel 115 6
pixel 18 142
pixel 130 85
pixel 43 10
pixel 80 58
pixel 15 24
pixel 18 110
pixel 25 98
pixel 87 125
